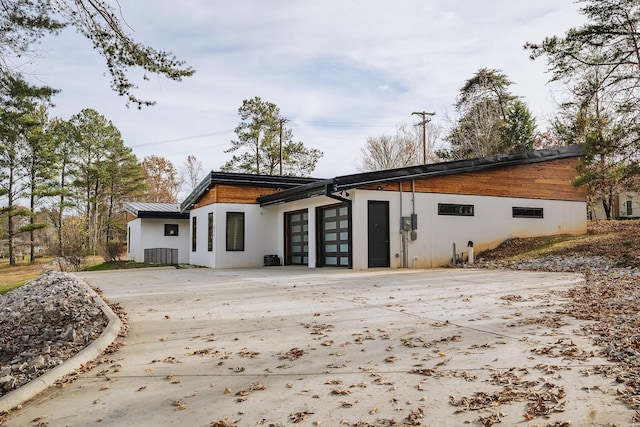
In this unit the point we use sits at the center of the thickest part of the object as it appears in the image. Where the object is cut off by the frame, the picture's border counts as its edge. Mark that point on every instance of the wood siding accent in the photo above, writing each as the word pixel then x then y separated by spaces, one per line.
pixel 220 193
pixel 544 180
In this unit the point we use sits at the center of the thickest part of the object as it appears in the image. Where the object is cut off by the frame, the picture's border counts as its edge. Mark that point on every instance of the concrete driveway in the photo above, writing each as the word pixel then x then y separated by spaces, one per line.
pixel 279 346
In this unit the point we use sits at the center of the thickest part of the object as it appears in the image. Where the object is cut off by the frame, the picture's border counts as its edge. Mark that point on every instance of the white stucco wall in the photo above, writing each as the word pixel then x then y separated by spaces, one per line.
pixel 260 236
pixel 148 233
pixel 491 224
pixel 134 240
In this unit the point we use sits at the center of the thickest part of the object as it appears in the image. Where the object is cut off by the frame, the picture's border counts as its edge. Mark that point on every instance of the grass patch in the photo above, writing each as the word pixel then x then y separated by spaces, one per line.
pixel 120 265
pixel 618 241
pixel 14 277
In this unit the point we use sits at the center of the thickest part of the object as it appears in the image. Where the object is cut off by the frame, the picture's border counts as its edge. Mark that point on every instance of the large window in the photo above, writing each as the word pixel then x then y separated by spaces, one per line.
pixel 171 229
pixel 520 212
pixel 455 209
pixel 210 232
pixel 194 229
pixel 235 231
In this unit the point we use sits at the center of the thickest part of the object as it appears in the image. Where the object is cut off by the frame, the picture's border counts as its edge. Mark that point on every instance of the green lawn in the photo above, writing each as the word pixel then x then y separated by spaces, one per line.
pixel 120 265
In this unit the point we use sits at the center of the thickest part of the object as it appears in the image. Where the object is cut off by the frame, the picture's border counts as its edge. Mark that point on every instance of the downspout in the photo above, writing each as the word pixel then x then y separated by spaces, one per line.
pixel 405 255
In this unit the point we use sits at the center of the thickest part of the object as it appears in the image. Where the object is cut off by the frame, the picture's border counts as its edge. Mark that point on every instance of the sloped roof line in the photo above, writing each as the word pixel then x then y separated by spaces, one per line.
pixel 213 178
pixel 135 207
pixel 346 182
pixel 154 210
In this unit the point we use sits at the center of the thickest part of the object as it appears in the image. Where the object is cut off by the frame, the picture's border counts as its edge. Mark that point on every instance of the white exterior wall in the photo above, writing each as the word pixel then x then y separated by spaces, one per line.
pixel 260 236
pixel 623 198
pixel 491 224
pixel 148 233
pixel 134 240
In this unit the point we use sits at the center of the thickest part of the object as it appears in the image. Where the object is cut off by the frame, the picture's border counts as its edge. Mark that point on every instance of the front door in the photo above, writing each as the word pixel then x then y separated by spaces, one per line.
pixel 378 233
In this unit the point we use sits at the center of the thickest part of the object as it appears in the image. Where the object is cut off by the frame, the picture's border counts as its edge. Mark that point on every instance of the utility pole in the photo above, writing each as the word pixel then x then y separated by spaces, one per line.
pixel 282 121
pixel 425 120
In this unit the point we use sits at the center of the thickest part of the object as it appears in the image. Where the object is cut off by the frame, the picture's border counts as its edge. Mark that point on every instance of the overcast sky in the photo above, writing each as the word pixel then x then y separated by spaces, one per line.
pixel 340 70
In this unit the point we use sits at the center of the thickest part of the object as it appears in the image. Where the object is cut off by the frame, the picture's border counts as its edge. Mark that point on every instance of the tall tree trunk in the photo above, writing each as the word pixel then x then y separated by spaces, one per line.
pixel 10 228
pixel 63 177
pixel 606 204
pixel 32 206
pixel 109 216
pixel 32 233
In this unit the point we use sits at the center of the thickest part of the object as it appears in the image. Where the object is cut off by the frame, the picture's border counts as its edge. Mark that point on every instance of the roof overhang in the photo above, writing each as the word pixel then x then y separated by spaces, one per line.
pixel 229 178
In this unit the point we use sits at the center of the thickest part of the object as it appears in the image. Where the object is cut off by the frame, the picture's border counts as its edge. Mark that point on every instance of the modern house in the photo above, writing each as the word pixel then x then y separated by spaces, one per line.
pixel 154 226
pixel 406 217
pixel 624 205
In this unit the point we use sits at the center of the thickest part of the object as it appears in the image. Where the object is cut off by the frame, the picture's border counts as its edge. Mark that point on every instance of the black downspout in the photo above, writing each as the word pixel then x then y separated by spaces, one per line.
pixel 349 221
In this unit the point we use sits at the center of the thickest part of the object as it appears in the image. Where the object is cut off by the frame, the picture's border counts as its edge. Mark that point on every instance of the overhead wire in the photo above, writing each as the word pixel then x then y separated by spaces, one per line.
pixel 313 123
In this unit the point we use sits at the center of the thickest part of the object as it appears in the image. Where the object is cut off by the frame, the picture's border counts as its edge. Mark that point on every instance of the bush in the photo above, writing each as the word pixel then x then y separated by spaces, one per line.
pixel 113 251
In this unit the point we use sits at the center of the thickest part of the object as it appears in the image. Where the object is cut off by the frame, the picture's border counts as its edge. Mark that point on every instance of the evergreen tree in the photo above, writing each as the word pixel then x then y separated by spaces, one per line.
pixel 65 143
pixel 17 103
pixel 264 140
pixel 491 119
pixel 24 22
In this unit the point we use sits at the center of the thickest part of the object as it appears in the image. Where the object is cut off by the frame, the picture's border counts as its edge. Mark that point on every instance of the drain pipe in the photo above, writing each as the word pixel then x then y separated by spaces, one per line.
pixel 405 257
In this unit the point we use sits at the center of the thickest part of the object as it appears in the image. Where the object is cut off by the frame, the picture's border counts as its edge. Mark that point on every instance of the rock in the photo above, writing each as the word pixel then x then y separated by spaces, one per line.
pixel 7 383
pixel 42 324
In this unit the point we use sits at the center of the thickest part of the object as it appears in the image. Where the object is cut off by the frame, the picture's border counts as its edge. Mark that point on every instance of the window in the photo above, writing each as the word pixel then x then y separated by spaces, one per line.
pixel 519 212
pixel 194 228
pixel 454 209
pixel 171 229
pixel 629 207
pixel 128 240
pixel 210 232
pixel 235 231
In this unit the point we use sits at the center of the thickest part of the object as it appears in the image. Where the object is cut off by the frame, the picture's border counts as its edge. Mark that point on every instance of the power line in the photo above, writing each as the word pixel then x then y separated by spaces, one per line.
pixel 185 138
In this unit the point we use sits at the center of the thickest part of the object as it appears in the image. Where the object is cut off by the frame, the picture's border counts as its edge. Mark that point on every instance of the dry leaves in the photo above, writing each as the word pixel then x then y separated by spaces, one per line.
pixel 293 354
pixel 300 416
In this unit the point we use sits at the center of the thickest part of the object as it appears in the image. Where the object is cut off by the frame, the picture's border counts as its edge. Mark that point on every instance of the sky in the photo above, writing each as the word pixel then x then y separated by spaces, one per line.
pixel 339 70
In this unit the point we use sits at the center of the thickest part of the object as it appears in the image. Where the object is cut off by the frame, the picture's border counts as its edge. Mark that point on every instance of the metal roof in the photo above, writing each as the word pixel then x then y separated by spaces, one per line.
pixel 346 182
pixel 213 178
pixel 154 210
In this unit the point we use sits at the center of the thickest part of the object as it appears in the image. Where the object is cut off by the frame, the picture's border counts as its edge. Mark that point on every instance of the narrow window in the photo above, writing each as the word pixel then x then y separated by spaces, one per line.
pixel 128 240
pixel 171 229
pixel 520 212
pixel 455 209
pixel 193 233
pixel 235 231
pixel 210 232
pixel 629 208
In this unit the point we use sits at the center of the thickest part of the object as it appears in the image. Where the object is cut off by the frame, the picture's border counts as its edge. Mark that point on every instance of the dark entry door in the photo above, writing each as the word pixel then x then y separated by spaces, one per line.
pixel 378 233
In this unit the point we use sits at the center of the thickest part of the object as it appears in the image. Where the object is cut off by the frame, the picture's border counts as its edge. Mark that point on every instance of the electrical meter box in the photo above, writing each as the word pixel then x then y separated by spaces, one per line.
pixel 405 224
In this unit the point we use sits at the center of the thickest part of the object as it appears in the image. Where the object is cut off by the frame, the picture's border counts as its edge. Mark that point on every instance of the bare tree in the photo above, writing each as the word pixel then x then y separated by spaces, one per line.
pixel 404 148
pixel 192 172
